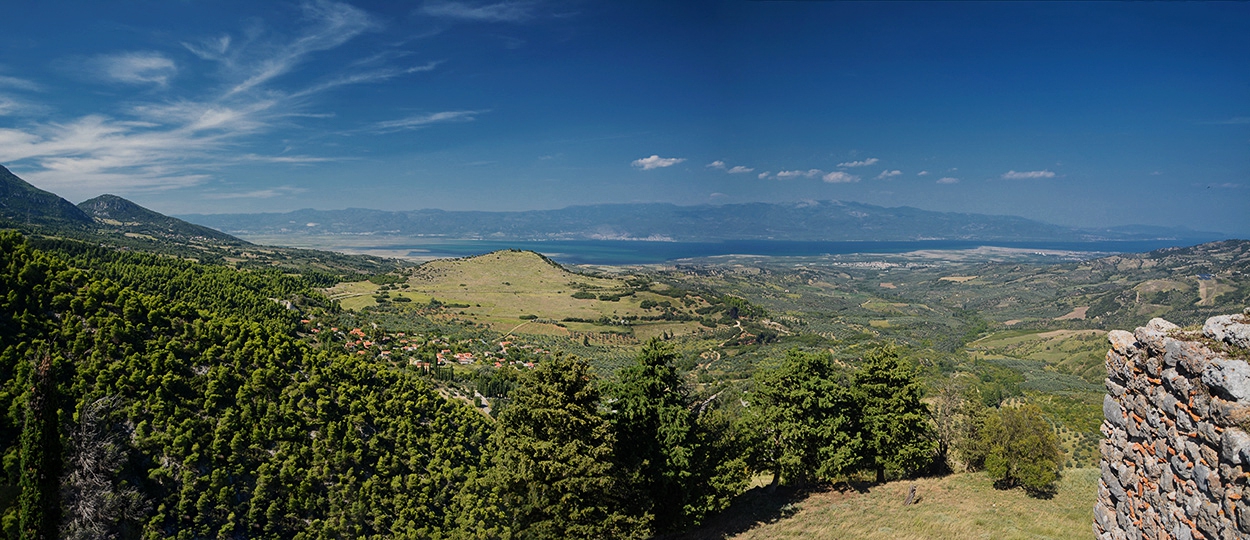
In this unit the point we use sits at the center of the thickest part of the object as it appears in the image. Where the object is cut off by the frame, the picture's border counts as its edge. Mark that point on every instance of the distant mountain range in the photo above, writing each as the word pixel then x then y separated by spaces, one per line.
pixel 23 205
pixel 807 221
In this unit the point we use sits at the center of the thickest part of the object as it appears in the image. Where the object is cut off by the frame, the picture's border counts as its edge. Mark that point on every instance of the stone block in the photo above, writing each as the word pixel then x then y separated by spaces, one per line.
pixel 1122 342
pixel 1228 378
pixel 1112 412
pixel 1230 329
pixel 1234 446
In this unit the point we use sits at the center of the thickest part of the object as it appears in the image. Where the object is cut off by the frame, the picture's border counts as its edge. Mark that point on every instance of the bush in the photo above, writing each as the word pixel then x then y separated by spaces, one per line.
pixel 583 295
pixel 1021 450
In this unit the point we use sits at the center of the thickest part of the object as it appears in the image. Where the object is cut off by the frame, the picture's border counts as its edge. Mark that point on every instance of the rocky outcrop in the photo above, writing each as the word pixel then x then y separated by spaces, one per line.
pixel 1176 457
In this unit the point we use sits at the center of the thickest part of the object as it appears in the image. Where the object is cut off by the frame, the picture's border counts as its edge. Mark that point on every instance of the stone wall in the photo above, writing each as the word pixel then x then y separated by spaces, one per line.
pixel 1176 458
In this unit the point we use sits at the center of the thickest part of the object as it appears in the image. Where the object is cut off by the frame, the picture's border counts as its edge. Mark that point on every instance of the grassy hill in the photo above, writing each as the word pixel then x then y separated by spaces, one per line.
pixel 964 506
pixel 522 291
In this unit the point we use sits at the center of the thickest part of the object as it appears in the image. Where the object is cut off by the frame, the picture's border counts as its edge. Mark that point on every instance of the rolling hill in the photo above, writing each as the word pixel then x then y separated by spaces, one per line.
pixel 117 213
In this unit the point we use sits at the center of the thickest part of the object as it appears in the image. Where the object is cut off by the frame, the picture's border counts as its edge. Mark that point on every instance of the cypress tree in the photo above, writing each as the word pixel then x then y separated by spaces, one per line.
pixel 39 502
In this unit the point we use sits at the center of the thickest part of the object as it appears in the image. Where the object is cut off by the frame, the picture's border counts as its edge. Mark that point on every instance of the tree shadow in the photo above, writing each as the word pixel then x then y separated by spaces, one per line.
pixel 759 506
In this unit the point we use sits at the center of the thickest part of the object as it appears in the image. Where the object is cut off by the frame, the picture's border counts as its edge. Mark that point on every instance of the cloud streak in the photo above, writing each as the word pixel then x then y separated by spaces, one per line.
pixel 947 180
pixel 424 120
pixel 739 169
pixel 1027 175
pixel 139 68
pixel 509 12
pixel 888 174
pixel 655 162
pixel 864 163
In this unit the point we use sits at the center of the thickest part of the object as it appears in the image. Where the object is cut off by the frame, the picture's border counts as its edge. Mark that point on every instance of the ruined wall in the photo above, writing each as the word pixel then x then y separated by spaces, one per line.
pixel 1176 457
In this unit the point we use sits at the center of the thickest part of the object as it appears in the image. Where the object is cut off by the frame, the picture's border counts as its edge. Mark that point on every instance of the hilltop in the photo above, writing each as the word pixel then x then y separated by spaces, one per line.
pixel 523 291
pixel 120 214
pixel 22 203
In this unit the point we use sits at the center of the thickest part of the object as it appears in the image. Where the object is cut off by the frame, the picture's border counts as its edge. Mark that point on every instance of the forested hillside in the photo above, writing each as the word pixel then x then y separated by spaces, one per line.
pixel 147 397
pixel 152 397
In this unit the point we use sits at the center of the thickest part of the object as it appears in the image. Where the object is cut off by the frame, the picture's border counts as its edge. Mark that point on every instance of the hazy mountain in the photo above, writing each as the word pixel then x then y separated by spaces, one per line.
pixel 118 213
pixel 807 221
pixel 24 204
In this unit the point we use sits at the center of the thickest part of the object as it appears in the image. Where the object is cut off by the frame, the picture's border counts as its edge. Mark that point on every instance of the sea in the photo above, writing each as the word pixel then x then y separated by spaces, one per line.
pixel 629 252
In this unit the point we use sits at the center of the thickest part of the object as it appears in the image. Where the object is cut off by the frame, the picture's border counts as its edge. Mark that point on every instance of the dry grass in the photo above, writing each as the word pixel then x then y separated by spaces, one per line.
pixel 960 506
pixel 1078 313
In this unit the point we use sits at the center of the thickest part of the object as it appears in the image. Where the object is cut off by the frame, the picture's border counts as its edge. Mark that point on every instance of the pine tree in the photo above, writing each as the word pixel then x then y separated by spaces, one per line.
pixel 893 417
pixel 553 468
pixel 802 415
pixel 668 455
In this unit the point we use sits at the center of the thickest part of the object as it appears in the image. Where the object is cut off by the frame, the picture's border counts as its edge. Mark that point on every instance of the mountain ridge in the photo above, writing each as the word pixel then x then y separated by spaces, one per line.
pixel 804 221
pixel 130 217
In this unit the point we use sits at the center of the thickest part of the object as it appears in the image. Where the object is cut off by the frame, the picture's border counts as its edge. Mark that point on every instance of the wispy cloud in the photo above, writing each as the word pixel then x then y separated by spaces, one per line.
pixel 269 193
pixel 18 83
pixel 863 163
pixel 739 169
pixel 178 141
pixel 888 174
pixel 922 173
pixel 1026 175
pixel 718 164
pixel 512 12
pixel 764 175
pixel 839 177
pixel 335 24
pixel 948 180
pixel 135 68
pixel 423 120
pixel 1233 121
pixel 655 162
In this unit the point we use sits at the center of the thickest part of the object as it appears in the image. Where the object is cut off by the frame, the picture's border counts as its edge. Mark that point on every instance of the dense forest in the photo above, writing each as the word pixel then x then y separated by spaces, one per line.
pixel 147 396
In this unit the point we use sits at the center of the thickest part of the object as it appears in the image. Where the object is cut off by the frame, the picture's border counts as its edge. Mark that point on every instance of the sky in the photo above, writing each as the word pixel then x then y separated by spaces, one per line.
pixel 1080 114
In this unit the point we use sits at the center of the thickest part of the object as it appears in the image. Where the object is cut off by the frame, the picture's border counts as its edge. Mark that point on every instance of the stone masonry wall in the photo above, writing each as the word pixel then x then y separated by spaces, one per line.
pixel 1176 457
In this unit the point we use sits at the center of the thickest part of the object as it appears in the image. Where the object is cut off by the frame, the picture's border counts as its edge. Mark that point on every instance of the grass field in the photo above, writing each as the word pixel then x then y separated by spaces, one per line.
pixel 959 506
pixel 499 288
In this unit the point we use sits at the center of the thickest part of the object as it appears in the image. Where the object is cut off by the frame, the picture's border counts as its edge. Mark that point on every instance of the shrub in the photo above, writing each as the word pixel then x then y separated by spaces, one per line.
pixel 1021 450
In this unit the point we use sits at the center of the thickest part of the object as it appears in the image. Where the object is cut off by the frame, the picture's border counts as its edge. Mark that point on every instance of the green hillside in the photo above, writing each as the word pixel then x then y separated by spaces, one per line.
pixel 120 214
pixel 24 204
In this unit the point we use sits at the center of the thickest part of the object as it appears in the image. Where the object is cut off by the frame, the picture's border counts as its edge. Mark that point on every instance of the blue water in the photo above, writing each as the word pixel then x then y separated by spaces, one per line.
pixel 610 252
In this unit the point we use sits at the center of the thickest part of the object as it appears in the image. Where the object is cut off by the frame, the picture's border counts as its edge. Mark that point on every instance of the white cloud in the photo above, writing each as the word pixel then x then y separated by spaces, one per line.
pixel 888 174
pixel 718 164
pixel 839 177
pixel 1025 175
pixel 948 180
pixel 423 120
pixel 864 163
pixel 513 12
pixel 810 173
pixel 656 162
pixel 763 175
pixel 739 169
pixel 135 68
pixel 922 173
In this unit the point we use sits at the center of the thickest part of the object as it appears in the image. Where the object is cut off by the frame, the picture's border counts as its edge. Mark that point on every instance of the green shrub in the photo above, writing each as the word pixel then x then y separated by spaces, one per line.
pixel 1021 450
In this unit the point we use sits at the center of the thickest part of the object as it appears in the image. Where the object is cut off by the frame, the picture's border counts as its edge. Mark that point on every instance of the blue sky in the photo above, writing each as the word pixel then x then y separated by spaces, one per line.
pixel 1086 114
